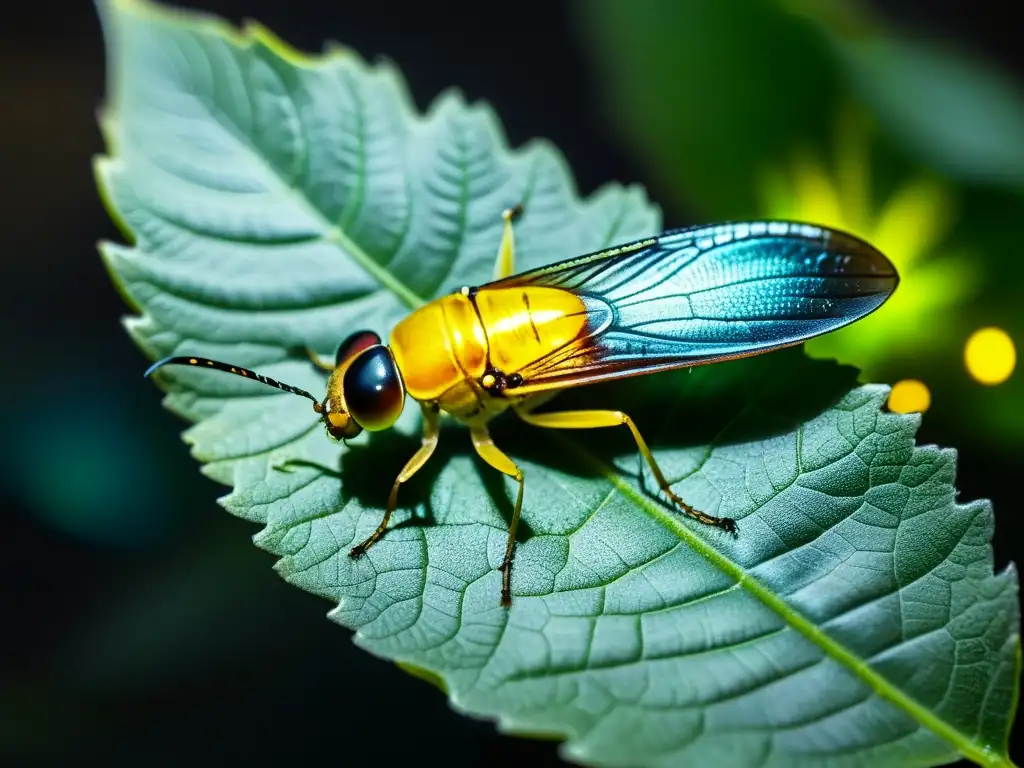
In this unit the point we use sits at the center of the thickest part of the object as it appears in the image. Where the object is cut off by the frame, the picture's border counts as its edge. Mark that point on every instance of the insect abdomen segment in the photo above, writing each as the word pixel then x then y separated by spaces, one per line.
pixel 438 346
pixel 524 325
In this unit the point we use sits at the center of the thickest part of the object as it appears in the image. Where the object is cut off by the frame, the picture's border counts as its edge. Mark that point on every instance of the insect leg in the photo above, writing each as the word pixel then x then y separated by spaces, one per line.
pixel 596 419
pixel 505 264
pixel 494 456
pixel 316 360
pixel 429 443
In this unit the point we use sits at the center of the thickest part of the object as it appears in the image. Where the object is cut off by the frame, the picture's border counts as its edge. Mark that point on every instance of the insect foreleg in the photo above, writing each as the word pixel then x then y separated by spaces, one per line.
pixel 494 456
pixel 596 419
pixel 429 443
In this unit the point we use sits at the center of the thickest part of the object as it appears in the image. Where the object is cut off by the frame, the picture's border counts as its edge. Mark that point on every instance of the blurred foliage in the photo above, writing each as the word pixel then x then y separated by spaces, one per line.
pixel 910 227
pixel 109 490
pixel 948 109
pixel 733 107
pixel 686 86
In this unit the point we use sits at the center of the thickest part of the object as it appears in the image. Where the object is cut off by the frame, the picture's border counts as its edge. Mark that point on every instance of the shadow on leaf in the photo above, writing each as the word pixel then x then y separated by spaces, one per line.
pixel 739 401
pixel 723 404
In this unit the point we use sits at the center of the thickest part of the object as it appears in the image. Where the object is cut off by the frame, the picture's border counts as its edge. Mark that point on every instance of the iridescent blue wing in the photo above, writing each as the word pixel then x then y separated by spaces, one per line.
pixel 695 296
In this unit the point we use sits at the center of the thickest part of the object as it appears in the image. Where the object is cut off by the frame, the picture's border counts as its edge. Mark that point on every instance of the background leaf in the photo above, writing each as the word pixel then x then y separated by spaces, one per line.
pixel 684 84
pixel 277 201
pixel 965 117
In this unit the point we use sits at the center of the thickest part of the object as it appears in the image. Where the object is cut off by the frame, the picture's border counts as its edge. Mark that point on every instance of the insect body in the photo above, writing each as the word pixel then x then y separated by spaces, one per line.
pixel 686 297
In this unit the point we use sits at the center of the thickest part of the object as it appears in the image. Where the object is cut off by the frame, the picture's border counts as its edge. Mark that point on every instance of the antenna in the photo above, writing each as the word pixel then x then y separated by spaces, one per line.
pixel 203 362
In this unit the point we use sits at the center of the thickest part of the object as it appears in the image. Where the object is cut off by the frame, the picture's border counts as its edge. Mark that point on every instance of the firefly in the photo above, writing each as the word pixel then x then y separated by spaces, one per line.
pixel 686 297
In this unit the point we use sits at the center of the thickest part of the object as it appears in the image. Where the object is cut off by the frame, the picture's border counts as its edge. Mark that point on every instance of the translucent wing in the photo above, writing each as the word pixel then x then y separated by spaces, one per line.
pixel 695 296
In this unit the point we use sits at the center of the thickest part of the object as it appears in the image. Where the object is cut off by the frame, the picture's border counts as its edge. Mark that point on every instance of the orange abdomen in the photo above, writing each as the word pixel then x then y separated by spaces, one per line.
pixel 438 346
pixel 444 348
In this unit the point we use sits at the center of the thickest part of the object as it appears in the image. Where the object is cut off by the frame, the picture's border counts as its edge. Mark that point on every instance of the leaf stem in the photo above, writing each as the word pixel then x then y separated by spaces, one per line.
pixel 383 275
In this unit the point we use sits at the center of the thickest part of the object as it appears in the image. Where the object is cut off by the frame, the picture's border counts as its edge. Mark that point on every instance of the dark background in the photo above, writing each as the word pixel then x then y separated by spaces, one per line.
pixel 157 631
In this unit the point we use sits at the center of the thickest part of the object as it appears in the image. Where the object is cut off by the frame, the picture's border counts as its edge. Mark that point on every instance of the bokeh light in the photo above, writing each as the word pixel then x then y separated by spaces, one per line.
pixel 909 396
pixel 91 474
pixel 990 356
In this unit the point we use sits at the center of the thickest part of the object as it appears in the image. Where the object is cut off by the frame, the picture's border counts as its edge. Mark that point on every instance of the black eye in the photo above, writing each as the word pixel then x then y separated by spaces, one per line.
pixel 355 344
pixel 373 389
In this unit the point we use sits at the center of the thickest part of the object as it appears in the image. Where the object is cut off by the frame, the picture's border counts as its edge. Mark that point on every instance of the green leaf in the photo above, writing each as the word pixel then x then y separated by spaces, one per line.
pixel 277 201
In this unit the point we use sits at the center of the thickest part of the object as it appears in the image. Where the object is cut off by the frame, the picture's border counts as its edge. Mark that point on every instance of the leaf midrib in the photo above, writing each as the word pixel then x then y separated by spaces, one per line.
pixel 834 649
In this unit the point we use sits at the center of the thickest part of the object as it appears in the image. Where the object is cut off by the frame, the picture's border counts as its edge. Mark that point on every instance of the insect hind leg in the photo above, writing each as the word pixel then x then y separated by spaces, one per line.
pixel 597 419
pixel 505 264
pixel 319 362
pixel 494 456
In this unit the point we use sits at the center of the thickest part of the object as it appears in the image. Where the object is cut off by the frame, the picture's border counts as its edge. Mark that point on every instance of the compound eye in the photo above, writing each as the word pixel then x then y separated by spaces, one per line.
pixel 354 344
pixel 374 392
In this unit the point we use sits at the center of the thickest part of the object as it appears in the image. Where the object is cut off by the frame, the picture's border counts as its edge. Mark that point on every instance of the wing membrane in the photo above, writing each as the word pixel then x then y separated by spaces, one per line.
pixel 695 296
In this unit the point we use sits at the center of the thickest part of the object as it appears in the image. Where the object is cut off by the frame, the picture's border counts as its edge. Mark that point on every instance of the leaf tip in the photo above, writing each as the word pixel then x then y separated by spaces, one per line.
pixel 424 674
pixel 103 167
pixel 110 253
pixel 106 118
pixel 450 100
pixel 200 454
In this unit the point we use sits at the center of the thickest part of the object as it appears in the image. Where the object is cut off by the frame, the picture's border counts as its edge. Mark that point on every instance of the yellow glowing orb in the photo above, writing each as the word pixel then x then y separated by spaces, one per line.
pixel 909 396
pixel 990 355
